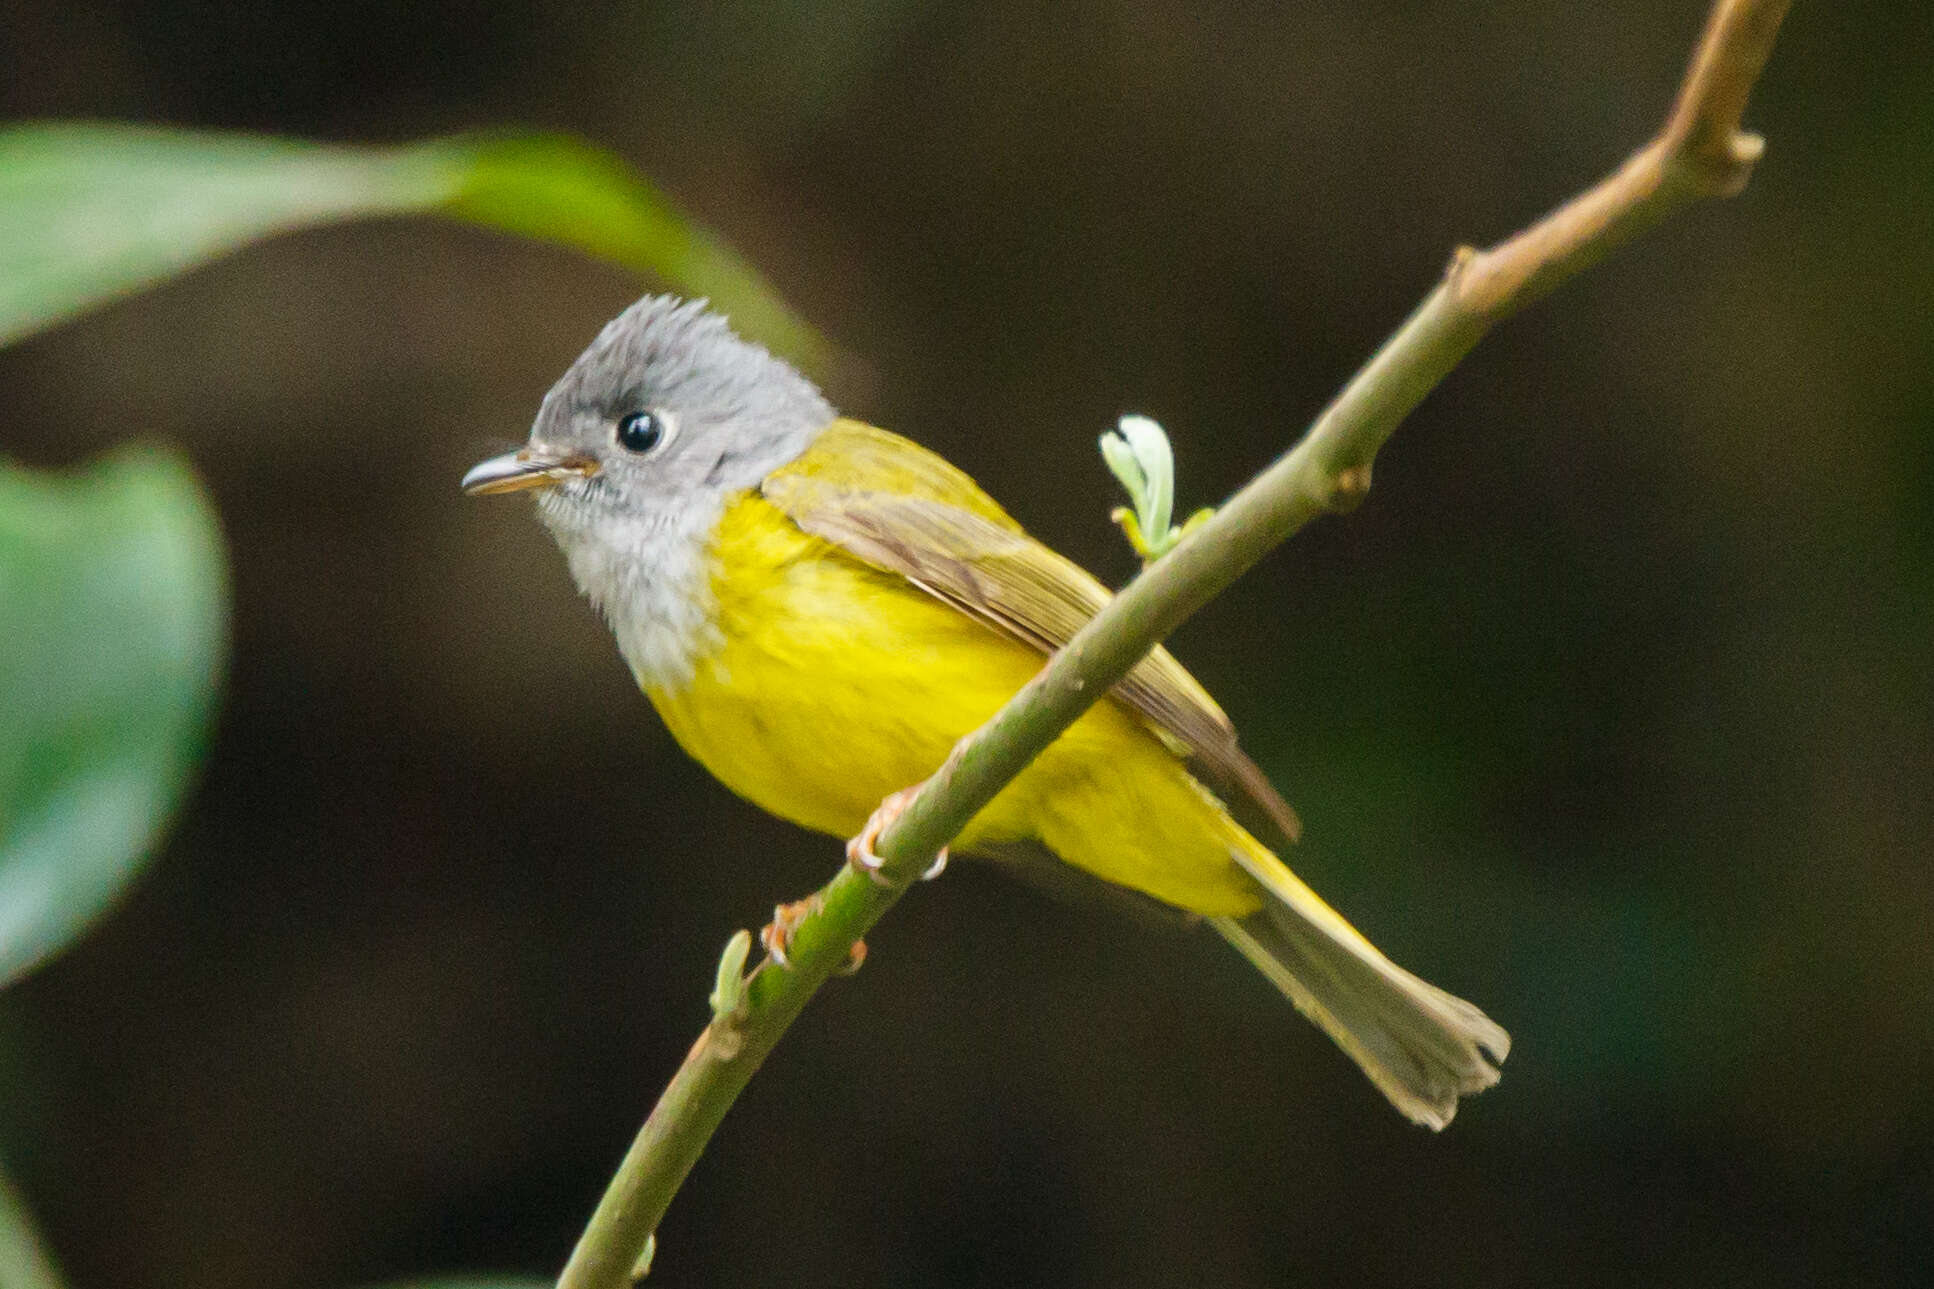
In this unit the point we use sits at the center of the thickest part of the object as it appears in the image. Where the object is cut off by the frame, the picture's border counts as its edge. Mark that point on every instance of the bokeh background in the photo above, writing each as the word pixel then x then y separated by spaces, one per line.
pixel 1613 709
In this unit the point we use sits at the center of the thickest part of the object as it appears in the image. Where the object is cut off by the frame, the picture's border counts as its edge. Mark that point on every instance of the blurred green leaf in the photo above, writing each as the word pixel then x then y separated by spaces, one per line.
pixel 113 604
pixel 90 212
pixel 25 1262
pixel 462 1282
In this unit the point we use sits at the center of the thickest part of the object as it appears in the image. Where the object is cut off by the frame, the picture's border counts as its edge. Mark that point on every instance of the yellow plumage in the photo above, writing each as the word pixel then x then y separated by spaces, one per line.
pixel 868 605
pixel 836 684
pixel 819 610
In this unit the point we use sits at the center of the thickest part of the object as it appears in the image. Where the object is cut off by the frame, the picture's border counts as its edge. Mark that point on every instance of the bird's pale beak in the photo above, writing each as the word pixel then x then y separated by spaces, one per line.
pixel 528 467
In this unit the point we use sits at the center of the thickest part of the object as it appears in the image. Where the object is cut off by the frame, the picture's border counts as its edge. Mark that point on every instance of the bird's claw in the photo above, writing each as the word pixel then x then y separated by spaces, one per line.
pixel 855 959
pixel 861 855
pixel 776 935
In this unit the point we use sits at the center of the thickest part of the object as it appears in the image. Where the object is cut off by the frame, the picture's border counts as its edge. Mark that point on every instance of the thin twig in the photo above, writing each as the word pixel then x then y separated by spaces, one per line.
pixel 1700 152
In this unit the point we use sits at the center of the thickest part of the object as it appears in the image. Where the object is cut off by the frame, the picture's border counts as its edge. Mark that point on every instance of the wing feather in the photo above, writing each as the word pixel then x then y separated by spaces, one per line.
pixel 898 507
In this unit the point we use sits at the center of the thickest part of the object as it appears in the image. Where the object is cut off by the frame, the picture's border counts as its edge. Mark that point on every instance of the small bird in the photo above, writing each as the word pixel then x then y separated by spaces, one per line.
pixel 819 609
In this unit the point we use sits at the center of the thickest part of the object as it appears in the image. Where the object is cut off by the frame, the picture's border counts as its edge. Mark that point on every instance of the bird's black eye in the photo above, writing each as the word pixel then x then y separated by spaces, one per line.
pixel 642 431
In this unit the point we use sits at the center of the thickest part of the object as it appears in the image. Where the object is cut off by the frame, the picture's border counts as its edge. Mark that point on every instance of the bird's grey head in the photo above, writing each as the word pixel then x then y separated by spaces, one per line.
pixel 636 449
pixel 666 407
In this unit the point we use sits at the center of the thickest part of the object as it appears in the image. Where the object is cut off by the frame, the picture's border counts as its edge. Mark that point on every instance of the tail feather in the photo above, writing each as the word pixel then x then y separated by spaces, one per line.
pixel 1422 1047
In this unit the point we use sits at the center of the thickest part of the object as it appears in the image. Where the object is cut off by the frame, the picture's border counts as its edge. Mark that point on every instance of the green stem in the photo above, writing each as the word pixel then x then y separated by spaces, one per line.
pixel 1699 153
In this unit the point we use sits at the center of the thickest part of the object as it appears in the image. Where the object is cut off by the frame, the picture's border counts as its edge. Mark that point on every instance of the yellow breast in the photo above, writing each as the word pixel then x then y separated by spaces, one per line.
pixel 831 684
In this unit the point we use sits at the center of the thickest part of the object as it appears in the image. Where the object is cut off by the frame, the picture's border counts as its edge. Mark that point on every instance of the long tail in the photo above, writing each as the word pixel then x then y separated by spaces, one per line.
pixel 1419 1045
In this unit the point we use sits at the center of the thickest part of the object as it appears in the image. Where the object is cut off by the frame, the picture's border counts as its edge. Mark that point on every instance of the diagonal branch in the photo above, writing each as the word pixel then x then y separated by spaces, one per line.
pixel 1700 152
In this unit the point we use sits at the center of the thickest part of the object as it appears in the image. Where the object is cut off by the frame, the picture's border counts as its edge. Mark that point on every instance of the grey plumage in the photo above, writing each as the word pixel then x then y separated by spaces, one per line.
pixel 635 532
pixel 740 412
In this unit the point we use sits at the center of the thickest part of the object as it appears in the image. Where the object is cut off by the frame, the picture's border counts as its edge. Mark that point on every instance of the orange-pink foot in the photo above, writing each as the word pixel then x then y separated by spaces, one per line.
pixel 777 934
pixel 861 855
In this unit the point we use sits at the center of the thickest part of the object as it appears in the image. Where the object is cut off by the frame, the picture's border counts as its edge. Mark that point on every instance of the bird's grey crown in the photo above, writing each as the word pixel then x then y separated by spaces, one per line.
pixel 674 355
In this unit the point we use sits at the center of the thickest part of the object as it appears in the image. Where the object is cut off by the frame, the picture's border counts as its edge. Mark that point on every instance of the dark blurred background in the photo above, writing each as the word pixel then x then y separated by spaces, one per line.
pixel 1612 709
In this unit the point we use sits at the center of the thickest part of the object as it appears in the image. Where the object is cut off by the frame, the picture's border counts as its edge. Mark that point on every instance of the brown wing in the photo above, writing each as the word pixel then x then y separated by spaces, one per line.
pixel 900 508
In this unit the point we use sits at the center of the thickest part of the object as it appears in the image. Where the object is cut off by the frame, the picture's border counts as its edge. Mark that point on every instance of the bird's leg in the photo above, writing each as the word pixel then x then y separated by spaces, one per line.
pixel 777 934
pixel 861 855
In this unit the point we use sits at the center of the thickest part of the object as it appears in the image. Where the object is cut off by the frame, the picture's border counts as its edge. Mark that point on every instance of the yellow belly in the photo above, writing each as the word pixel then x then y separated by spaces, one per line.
pixel 833 684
